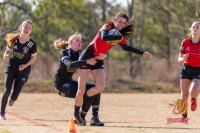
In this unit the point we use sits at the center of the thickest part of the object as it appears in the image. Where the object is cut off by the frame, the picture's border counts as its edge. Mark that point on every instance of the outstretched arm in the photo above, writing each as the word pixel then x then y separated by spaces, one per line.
pixel 131 49
pixel 137 51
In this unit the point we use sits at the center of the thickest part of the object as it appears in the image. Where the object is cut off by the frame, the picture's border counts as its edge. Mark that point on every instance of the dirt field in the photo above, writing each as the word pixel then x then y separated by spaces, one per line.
pixel 122 113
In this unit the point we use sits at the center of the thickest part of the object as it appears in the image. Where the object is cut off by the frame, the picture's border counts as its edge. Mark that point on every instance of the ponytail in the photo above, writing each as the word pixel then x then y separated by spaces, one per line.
pixel 60 44
pixel 11 39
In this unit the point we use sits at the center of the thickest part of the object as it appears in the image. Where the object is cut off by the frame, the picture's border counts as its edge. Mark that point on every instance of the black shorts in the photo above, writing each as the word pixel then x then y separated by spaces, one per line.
pixel 20 76
pixel 189 72
pixel 87 54
pixel 69 89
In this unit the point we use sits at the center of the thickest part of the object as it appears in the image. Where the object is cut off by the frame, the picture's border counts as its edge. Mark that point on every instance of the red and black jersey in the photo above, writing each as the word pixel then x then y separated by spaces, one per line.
pixel 22 52
pixel 102 46
pixel 187 47
pixel 103 42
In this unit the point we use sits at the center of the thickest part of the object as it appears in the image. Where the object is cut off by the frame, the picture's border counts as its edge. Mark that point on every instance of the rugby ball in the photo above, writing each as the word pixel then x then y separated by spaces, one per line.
pixel 114 32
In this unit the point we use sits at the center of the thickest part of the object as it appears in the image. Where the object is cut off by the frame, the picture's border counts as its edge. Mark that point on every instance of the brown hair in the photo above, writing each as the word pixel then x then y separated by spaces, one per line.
pixel 128 30
pixel 190 29
pixel 12 37
pixel 62 44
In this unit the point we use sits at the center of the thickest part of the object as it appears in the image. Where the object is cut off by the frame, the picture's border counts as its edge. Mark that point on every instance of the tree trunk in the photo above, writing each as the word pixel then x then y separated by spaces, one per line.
pixel 135 70
pixel 46 46
pixel 130 57
pixel 103 21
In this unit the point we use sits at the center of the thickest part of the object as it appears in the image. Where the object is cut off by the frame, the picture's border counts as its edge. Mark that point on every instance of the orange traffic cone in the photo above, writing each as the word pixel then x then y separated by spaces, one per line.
pixel 72 128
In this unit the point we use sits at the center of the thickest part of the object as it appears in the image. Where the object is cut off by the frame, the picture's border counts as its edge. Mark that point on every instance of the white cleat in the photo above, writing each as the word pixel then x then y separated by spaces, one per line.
pixel 2 117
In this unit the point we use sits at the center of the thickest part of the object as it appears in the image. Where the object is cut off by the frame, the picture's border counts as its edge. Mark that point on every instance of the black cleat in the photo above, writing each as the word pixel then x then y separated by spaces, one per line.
pixel 96 122
pixel 184 116
pixel 11 102
pixel 79 121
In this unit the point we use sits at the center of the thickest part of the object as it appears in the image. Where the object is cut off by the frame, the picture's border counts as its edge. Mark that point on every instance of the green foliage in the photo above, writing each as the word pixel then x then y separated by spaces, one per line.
pixel 162 25
pixel 55 19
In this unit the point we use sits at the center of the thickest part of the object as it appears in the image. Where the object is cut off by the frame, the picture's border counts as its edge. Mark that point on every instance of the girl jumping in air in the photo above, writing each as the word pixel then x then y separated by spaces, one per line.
pixel 101 44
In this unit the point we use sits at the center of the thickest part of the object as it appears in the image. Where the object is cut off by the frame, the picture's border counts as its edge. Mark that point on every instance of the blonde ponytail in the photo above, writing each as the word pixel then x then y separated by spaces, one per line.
pixel 60 44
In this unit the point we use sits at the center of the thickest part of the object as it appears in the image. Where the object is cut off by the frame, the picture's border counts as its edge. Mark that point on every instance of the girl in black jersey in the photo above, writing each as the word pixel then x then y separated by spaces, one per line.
pixel 24 54
pixel 64 83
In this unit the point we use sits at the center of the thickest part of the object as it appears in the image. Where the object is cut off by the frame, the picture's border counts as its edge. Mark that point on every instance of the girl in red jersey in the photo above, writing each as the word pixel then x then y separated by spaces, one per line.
pixel 101 44
pixel 190 70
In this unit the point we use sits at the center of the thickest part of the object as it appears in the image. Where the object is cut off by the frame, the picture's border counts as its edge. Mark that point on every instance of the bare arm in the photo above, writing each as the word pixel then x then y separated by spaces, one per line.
pixel 6 55
pixel 30 62
pixel 182 57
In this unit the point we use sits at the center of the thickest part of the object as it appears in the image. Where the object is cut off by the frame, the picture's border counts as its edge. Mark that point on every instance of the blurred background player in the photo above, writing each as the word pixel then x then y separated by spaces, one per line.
pixel 24 54
pixel 190 69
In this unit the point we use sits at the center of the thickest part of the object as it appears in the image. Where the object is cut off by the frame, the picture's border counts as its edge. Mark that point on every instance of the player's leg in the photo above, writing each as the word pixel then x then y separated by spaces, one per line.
pixel 185 82
pixel 95 111
pixel 9 78
pixel 87 102
pixel 83 71
pixel 20 80
pixel 194 92
pixel 79 95
pixel 99 78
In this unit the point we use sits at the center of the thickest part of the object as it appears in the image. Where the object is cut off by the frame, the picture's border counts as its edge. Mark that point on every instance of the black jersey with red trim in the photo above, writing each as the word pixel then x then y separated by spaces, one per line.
pixel 187 47
pixel 68 64
pixel 21 53
pixel 103 42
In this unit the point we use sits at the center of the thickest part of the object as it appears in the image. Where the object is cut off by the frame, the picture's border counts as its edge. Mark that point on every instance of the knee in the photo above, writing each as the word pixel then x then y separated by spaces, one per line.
pixel 100 89
pixel 194 93
pixel 7 93
pixel 80 93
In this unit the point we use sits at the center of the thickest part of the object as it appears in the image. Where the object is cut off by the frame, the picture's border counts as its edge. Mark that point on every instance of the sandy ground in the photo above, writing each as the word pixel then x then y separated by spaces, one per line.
pixel 122 113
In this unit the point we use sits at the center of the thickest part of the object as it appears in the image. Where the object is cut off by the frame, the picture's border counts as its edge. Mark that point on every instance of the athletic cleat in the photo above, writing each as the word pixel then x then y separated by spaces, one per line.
pixel 184 116
pixel 96 122
pixel 75 121
pixel 193 104
pixel 11 102
pixel 2 117
pixel 79 121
